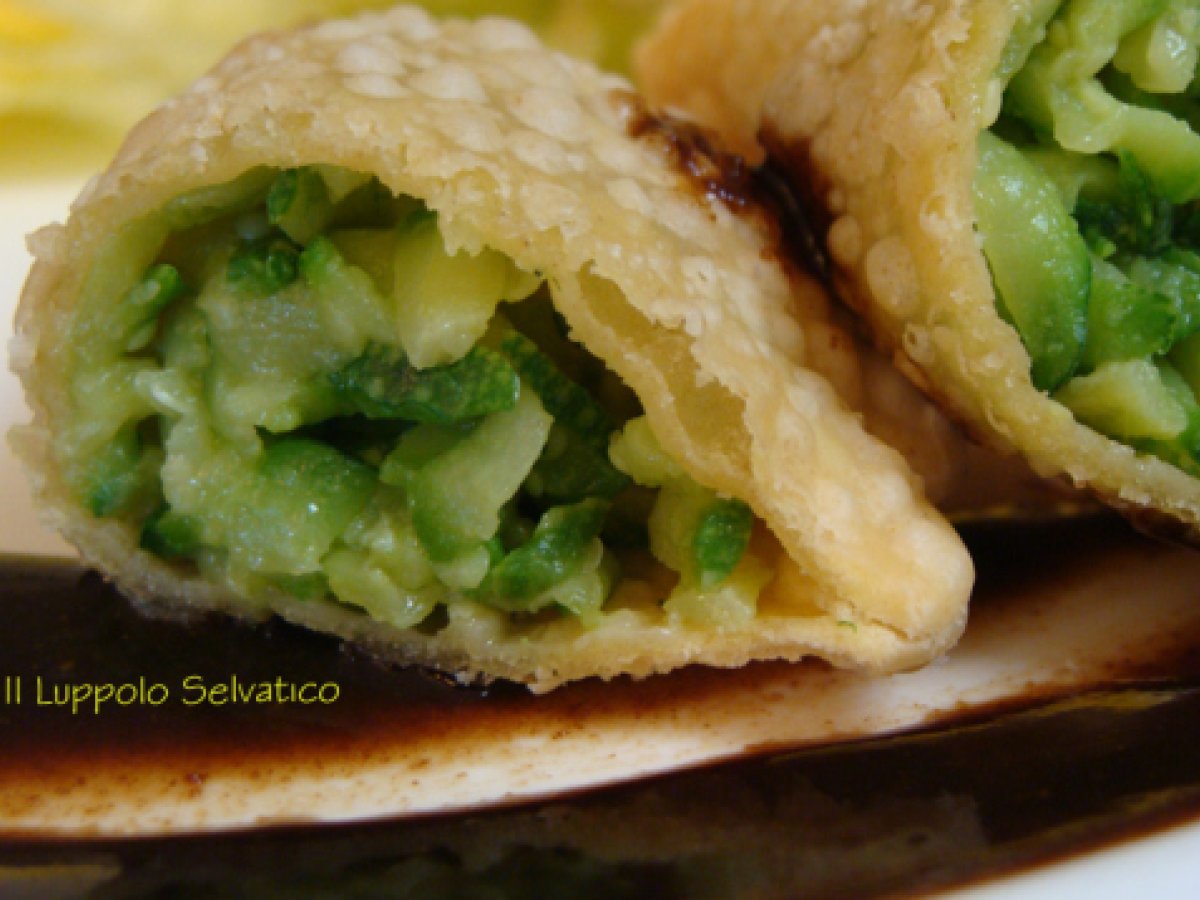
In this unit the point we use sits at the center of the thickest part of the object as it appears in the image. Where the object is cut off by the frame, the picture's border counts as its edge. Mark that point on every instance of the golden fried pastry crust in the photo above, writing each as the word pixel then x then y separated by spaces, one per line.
pixel 528 152
pixel 877 108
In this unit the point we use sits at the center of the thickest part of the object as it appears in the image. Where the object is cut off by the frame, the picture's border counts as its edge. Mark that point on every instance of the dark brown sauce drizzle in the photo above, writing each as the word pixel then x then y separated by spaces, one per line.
pixel 999 790
pixel 788 215
pixel 695 152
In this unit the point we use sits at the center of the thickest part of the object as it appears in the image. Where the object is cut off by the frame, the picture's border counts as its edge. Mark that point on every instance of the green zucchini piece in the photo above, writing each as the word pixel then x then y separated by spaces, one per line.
pixel 1040 264
pixel 1057 92
pixel 444 301
pixel 277 513
pixel 299 205
pixel 1160 57
pixel 170 535
pixel 674 523
pixel 1028 31
pixel 110 399
pixel 636 452
pixel 555 551
pixel 691 529
pixel 357 578
pixel 1127 400
pixel 381 384
pixel 352 309
pixel 127 255
pixel 730 604
pixel 309 587
pixel 207 204
pixel 385 531
pixel 1174 275
pixel 1185 357
pixel 123 475
pixel 1077 176
pixel 140 307
pixel 269 362
pixel 263 267
pixel 302 496
pixel 184 343
pixel 1121 86
pixel 1126 320
pixel 1135 220
pixel 584 593
pixel 721 538
pixel 456 497
pixel 418 447
pixel 1183 450
pixel 371 249
pixel 570 404
pixel 570 469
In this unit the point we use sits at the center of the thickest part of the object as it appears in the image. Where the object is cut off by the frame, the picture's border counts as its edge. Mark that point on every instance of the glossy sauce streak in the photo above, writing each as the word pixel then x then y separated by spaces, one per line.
pixel 694 151
pixel 764 192
pixel 1001 789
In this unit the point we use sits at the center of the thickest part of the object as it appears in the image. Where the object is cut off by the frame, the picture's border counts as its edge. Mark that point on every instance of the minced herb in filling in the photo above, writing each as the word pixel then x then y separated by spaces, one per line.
pixel 1086 199
pixel 290 383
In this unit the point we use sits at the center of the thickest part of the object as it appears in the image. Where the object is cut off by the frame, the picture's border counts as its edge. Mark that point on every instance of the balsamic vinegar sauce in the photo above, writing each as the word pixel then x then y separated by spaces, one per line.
pixel 995 791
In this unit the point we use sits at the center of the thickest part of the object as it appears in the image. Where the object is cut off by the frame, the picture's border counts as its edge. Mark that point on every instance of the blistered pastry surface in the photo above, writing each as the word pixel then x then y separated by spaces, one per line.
pixel 528 152
pixel 879 106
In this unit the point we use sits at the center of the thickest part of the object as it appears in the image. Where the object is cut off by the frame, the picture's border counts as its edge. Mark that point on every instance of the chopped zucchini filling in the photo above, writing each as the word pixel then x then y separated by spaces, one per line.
pixel 1087 195
pixel 290 383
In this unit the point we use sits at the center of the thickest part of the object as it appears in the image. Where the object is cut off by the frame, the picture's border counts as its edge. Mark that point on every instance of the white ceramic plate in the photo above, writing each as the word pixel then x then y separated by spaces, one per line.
pixel 1077 629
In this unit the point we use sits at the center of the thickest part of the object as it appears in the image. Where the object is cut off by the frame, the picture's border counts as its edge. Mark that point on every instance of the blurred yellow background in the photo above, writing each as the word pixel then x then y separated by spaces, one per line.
pixel 76 74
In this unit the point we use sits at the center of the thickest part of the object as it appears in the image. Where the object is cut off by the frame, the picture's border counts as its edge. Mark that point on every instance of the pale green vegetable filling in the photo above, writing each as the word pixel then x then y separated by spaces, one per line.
pixel 1087 194
pixel 290 383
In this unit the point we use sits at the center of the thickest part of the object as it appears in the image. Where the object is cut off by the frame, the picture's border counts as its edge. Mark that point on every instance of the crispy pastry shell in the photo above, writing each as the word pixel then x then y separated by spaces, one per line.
pixel 876 107
pixel 529 153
